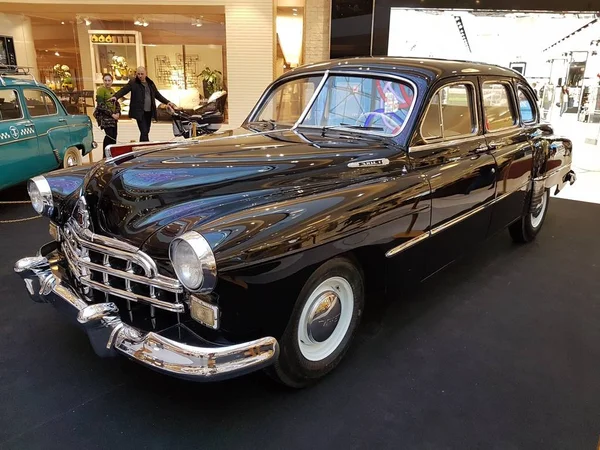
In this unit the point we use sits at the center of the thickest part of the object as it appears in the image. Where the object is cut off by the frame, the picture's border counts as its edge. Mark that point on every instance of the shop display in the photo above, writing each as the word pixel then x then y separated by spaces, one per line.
pixel 211 259
pixel 118 53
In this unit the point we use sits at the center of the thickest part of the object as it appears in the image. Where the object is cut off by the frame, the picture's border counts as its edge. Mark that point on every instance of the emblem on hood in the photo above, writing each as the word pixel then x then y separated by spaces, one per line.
pixel 81 214
pixel 370 162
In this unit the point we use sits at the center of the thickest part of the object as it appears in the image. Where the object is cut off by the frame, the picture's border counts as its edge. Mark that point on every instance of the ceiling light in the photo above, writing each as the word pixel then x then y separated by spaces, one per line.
pixel 88 22
pixel 196 23
pixel 62 23
pixel 295 9
pixel 56 54
pixel 145 23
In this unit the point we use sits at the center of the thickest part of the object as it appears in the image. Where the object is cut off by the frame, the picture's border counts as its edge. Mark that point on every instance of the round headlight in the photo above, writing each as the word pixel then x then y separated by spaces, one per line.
pixel 40 195
pixel 194 262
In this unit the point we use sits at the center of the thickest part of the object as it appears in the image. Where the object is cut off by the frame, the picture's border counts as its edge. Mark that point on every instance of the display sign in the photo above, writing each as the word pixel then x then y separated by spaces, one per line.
pixel 8 56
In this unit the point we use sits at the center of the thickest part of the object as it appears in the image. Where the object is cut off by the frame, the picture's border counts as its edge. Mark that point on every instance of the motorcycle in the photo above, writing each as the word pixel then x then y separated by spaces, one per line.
pixel 206 119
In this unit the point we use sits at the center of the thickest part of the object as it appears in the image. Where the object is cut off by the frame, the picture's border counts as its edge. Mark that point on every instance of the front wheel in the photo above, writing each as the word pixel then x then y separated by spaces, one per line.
pixel 323 323
pixel 528 226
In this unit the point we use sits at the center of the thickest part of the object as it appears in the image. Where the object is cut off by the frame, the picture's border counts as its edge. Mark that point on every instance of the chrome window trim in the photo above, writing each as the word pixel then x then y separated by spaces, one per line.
pixel 511 100
pixel 368 74
pixel 474 109
pixel 20 106
pixel 432 232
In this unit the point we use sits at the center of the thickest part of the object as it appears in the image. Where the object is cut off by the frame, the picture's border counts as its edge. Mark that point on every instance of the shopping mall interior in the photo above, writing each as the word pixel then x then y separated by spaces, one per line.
pixel 498 350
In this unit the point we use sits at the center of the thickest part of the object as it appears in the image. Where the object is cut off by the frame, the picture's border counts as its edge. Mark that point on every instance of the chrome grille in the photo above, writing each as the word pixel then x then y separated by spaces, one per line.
pixel 114 268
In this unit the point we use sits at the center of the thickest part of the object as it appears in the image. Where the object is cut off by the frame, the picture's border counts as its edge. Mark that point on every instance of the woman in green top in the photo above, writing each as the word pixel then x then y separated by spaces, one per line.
pixel 107 111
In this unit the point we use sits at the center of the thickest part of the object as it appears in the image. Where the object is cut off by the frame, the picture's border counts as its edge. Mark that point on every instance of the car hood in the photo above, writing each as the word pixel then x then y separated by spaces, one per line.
pixel 188 183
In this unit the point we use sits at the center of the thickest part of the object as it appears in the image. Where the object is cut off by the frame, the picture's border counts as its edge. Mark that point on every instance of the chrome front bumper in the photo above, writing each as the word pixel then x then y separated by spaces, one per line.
pixel 110 336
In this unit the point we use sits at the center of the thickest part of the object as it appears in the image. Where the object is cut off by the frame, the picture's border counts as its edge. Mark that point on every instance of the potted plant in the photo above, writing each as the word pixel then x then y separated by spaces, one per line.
pixel 212 81
pixel 120 67
pixel 61 76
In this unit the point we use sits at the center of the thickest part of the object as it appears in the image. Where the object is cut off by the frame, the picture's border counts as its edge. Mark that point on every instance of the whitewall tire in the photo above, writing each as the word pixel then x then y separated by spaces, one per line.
pixel 529 225
pixel 324 320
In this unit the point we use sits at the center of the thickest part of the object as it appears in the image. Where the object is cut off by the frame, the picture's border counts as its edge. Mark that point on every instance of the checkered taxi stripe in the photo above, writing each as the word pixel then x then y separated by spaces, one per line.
pixel 14 133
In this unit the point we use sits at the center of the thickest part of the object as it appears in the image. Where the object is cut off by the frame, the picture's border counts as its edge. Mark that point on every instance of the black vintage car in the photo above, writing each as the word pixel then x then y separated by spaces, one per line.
pixel 254 248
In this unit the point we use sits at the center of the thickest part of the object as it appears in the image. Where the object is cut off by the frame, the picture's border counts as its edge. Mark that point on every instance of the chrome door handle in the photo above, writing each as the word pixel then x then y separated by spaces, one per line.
pixel 62 120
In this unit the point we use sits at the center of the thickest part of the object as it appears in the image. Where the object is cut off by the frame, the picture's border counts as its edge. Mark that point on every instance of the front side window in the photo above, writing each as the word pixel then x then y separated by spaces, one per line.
pixel 450 114
pixel 497 106
pixel 364 103
pixel 526 107
pixel 39 103
pixel 10 107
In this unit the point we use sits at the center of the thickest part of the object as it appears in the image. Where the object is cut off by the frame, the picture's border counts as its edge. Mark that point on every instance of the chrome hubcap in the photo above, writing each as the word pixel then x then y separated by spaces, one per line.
pixel 71 161
pixel 324 317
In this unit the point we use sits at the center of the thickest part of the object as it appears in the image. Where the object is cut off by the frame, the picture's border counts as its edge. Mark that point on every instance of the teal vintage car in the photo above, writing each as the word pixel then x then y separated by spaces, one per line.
pixel 36 133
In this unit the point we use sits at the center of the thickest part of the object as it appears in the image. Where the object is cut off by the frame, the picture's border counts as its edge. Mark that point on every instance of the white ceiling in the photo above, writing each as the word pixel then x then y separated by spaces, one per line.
pixel 498 38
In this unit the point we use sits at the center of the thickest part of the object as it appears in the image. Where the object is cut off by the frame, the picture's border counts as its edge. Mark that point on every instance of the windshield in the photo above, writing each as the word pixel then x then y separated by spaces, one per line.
pixel 366 103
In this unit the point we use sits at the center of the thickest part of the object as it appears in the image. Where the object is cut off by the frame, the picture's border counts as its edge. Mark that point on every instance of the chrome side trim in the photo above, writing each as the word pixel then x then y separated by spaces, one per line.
pixel 406 245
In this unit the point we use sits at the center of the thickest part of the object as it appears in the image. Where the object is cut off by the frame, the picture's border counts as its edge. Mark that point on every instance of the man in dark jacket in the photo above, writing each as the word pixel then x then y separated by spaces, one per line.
pixel 142 105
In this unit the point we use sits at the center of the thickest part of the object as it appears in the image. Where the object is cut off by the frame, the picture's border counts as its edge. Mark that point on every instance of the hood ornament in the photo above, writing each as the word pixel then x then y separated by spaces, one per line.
pixel 81 214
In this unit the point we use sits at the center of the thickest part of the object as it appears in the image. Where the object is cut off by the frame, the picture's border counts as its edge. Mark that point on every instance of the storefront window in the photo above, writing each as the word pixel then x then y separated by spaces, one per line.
pixel 184 55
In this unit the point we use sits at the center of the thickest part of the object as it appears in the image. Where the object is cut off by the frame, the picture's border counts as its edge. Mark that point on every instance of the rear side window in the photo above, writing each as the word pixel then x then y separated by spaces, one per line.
pixel 497 106
pixel 39 103
pixel 10 107
pixel 526 107
pixel 450 114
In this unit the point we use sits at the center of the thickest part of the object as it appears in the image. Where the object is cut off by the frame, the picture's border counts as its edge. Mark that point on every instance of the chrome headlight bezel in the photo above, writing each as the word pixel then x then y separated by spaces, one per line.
pixel 204 259
pixel 40 195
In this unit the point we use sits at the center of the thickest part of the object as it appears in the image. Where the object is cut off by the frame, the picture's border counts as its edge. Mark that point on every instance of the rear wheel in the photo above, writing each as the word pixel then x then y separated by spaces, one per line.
pixel 529 225
pixel 72 157
pixel 323 323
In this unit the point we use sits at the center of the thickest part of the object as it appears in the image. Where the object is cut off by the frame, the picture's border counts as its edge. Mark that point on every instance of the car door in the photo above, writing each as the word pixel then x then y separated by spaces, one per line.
pixel 453 155
pixel 509 140
pixel 18 141
pixel 51 126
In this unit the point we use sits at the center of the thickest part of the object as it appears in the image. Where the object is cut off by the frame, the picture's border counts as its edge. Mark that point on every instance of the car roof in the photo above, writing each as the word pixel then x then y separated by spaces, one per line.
pixel 430 67
pixel 15 80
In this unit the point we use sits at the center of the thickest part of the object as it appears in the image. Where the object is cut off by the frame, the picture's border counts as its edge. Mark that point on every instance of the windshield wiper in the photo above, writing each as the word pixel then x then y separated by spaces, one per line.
pixel 356 127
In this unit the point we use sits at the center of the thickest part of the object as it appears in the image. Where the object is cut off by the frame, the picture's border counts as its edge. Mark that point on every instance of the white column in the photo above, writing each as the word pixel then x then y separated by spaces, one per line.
pixel 250 48
pixel 19 27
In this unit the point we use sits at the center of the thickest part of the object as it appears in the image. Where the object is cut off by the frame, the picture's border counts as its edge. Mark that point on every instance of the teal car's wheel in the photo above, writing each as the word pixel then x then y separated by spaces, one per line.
pixel 72 157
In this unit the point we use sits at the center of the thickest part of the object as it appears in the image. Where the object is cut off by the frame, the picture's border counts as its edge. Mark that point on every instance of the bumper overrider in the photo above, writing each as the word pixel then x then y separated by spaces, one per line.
pixel 110 336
